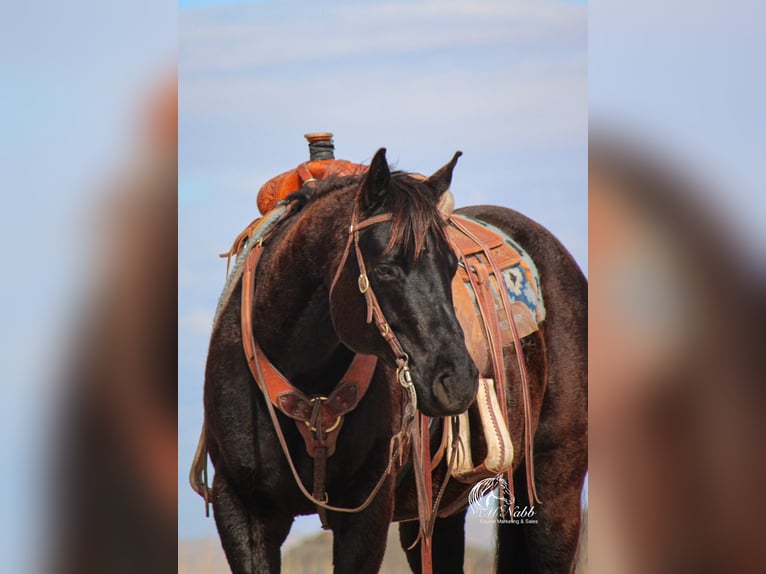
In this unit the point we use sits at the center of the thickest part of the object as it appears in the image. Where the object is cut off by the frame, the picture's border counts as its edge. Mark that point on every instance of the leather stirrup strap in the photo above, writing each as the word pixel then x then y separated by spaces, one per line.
pixel 528 439
pixel 480 284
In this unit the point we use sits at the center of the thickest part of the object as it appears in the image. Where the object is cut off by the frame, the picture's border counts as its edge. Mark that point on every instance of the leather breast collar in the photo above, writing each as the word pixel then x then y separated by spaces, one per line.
pixel 318 418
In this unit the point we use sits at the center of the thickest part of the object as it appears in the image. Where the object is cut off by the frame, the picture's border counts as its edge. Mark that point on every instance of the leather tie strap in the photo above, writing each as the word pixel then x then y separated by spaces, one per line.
pixel 305 175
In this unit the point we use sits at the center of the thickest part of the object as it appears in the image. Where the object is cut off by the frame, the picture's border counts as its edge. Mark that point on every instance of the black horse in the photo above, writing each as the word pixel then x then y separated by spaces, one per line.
pixel 311 336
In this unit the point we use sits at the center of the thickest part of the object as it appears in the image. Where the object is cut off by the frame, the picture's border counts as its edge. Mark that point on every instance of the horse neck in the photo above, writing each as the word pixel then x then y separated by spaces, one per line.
pixel 291 317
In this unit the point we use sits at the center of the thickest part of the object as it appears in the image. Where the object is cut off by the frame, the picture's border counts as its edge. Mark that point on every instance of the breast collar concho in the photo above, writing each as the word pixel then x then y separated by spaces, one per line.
pixel 320 418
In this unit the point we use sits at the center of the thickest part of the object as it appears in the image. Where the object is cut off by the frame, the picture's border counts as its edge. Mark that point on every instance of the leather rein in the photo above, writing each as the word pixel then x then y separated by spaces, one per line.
pixel 419 432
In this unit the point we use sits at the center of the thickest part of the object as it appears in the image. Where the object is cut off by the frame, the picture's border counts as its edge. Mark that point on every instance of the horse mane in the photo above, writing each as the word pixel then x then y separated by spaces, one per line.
pixel 414 210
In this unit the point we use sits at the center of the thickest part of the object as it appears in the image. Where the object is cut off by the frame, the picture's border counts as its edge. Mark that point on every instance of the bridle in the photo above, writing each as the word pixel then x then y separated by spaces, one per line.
pixel 374 311
pixel 418 433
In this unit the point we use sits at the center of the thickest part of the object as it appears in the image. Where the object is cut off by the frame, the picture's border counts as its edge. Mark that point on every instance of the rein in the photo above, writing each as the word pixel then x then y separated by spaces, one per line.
pixel 419 433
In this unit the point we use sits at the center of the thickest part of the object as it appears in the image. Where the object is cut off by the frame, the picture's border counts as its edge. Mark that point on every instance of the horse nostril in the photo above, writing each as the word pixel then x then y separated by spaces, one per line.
pixel 441 388
pixel 452 392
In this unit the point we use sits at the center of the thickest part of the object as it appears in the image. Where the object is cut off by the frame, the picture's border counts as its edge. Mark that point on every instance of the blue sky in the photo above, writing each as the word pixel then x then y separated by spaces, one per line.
pixel 211 3
pixel 505 82
pixel 182 4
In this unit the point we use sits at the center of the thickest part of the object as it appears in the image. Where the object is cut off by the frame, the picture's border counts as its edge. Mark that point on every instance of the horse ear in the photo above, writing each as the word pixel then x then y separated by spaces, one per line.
pixel 375 185
pixel 440 181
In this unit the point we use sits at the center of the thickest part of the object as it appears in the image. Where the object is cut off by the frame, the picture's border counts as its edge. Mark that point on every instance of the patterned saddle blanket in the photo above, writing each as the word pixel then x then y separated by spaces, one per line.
pixel 518 277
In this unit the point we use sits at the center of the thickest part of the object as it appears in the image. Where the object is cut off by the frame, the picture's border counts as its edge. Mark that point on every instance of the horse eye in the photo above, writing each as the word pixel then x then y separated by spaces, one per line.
pixel 453 262
pixel 386 272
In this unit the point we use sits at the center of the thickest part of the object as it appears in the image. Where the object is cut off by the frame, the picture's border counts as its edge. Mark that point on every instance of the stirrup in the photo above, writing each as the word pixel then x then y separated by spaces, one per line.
pixel 499 446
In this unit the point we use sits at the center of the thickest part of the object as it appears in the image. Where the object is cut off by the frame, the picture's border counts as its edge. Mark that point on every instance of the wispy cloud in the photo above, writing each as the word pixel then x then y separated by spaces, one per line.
pixel 472 75
pixel 227 38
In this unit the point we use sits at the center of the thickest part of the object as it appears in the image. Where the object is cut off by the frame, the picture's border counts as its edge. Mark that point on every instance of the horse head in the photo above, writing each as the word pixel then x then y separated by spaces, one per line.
pixel 400 260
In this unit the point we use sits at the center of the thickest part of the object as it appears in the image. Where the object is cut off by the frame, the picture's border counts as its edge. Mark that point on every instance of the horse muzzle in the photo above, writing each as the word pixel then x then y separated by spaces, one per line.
pixel 451 391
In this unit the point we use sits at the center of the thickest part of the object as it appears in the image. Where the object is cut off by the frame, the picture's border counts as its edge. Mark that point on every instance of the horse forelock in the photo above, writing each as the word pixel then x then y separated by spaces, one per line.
pixel 414 212
pixel 414 215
